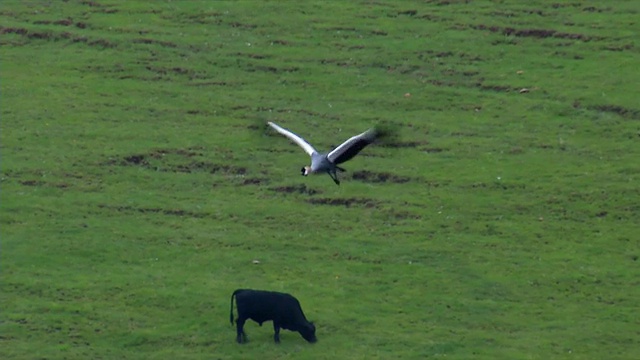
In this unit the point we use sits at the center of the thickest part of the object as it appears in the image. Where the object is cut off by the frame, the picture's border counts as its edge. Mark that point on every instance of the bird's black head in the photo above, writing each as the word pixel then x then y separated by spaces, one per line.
pixel 303 171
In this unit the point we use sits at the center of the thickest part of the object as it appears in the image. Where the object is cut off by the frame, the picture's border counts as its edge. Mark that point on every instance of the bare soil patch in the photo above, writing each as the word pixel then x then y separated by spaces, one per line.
pixel 408 12
pixel 618 110
pixel 254 181
pixel 535 33
pixel 59 185
pixel 56 36
pixel 153 41
pixel 348 202
pixel 31 183
pixel 402 215
pixel 143 210
pixel 272 69
pixel 497 88
pixel 182 161
pixel 379 177
pixel 135 160
pixel 300 189
pixel 403 144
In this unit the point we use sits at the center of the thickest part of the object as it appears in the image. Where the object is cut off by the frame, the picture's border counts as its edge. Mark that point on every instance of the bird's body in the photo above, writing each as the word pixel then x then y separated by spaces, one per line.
pixel 328 162
pixel 320 163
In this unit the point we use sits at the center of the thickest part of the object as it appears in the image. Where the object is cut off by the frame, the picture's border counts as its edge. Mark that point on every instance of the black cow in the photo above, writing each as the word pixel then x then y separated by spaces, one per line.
pixel 261 306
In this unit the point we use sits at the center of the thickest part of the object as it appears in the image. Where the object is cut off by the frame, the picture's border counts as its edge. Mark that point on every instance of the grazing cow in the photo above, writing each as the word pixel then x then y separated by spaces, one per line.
pixel 261 306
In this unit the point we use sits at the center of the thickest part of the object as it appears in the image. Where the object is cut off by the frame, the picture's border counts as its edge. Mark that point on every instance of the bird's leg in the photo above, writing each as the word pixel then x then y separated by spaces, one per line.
pixel 334 177
pixel 341 169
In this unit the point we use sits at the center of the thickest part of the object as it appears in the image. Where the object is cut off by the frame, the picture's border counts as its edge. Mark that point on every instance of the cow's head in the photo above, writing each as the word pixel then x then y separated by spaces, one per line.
pixel 308 332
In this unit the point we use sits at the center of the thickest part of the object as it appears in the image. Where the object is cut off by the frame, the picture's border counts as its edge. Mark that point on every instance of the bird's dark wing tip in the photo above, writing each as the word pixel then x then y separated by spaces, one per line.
pixel 386 131
pixel 264 127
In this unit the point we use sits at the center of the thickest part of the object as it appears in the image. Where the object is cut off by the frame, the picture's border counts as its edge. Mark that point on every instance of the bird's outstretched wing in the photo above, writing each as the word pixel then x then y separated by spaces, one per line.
pixel 350 148
pixel 295 138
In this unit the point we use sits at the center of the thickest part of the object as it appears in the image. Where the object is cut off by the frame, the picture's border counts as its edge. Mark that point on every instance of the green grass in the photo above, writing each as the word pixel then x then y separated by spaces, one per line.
pixel 139 182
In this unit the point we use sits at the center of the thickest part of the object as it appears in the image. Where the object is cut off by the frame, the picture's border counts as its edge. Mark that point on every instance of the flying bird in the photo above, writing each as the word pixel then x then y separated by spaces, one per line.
pixel 328 162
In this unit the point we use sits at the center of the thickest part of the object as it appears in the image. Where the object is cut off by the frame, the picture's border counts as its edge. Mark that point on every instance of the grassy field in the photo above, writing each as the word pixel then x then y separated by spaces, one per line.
pixel 140 183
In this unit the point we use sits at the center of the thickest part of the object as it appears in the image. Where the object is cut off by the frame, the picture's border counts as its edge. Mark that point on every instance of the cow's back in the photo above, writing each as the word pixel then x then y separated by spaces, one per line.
pixel 292 315
pixel 257 305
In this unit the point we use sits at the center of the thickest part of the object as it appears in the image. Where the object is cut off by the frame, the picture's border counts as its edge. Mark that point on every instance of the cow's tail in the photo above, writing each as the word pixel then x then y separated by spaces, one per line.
pixel 231 311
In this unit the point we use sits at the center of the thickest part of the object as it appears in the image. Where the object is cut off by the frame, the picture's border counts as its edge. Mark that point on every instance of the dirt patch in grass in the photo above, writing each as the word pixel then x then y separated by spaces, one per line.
pixel 408 12
pixel 618 110
pixel 511 14
pixel 58 36
pixel 212 168
pixel 337 62
pixel 210 83
pixel 403 144
pixel 353 257
pixel 188 152
pixel 31 183
pixel 254 181
pixel 143 210
pixel 348 202
pixel 379 33
pixel 421 145
pixel 253 56
pixel 271 69
pixel 99 7
pixel 448 2
pixel 13 30
pixel 618 47
pixel 101 43
pixel 498 185
pixel 300 189
pixel 308 113
pixel 176 160
pixel 62 22
pixel 59 185
pixel 236 24
pixel 497 88
pixel 535 33
pixel 168 44
pixel 91 3
pixel 55 36
pixel 379 177
pixel 403 215
pixel 135 160
pixel 45 35
pixel 174 70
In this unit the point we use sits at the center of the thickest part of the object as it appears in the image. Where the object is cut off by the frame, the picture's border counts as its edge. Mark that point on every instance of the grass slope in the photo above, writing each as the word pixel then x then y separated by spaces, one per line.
pixel 139 183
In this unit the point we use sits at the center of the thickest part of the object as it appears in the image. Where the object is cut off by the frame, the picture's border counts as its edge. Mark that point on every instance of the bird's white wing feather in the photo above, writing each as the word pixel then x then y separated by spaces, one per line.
pixel 351 147
pixel 295 138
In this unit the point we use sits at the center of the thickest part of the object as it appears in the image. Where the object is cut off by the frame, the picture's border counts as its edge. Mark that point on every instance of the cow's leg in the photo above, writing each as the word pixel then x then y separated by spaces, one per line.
pixel 241 336
pixel 276 332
